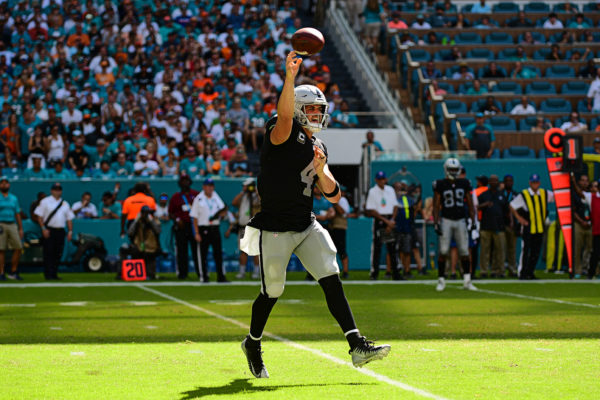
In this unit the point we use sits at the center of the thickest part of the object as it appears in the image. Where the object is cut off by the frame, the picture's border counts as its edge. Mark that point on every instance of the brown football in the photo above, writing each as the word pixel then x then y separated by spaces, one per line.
pixel 307 41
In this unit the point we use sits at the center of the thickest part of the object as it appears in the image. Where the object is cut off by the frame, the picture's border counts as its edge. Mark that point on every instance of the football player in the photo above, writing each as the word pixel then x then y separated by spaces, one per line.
pixel 292 162
pixel 450 218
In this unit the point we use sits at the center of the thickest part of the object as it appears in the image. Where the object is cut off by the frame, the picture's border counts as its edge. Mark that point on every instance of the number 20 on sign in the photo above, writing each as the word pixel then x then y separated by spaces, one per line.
pixel 133 270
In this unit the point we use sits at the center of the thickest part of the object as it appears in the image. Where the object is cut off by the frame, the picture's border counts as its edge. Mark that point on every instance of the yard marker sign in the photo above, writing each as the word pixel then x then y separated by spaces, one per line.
pixel 133 270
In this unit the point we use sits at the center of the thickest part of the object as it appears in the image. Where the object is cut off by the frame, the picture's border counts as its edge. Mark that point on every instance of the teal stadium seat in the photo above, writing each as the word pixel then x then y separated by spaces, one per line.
pixel 502 123
pixel 556 106
pixel 536 35
pixel 518 152
pixel 541 54
pixel 466 9
pixel 536 7
pixel 505 7
pixel 481 53
pixel 560 7
pixel 581 52
pixel 495 154
pixel 575 87
pixel 526 123
pixel 540 87
pixel 499 38
pixel 505 54
pixel 591 7
pixel 508 87
pixel 560 71
pixel 467 38
pixel 477 105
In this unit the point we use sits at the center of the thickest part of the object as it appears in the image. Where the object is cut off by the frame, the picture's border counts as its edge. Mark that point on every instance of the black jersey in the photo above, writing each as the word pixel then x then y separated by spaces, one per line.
pixel 452 197
pixel 286 180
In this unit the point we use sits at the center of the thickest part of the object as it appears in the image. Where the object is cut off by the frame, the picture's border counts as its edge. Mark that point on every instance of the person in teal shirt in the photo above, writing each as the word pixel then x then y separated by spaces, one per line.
pixel 59 172
pixel 109 208
pixel 192 165
pixel 122 167
pixel 35 172
pixel 104 172
pixel 10 222
pixel 477 88
pixel 342 118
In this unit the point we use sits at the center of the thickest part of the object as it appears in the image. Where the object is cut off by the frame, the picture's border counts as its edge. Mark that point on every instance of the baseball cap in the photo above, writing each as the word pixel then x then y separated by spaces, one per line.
pixel 534 178
pixel 248 181
pixel 3 178
pixel 208 181
pixel 143 152
pixel 56 186
pixel 380 175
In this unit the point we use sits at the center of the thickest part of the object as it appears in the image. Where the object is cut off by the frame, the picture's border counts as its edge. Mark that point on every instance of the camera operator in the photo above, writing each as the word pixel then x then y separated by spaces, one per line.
pixel 248 204
pixel 144 234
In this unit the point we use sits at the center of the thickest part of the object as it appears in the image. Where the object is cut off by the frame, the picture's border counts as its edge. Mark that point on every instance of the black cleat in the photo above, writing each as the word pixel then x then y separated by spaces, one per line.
pixel 366 352
pixel 254 357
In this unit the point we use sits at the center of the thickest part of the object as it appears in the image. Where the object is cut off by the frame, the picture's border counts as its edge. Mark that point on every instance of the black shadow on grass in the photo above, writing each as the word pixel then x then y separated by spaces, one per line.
pixel 237 386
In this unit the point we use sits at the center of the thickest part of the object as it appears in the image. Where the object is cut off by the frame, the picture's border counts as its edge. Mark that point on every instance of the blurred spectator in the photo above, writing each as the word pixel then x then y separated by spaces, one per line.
pixel 480 137
pixel 439 19
pixel 579 22
pixel 541 125
pixel 238 164
pixel 574 124
pixel 109 208
pixel 59 172
pixel 481 8
pixel 528 39
pixel 554 54
pixel 463 72
pixel 553 22
pixel 144 234
pixel 490 107
pixel 85 209
pixel 523 72
pixel 162 208
pixel 430 72
pixel 145 166
pixel 521 21
pixel 460 22
pixel 492 71
pixel 523 108
pixel 593 94
pixel 342 118
pixel 476 88
pixel 193 165
pixel 78 158
pixel 122 167
pixel 11 139
pixel 372 144
pixel 104 172
pixel 519 55
pixel 493 206
pixel 420 23
pixel 36 171
pixel 396 23
pixel 248 204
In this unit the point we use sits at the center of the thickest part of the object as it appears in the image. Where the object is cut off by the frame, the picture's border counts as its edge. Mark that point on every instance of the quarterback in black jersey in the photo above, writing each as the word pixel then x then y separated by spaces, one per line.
pixel 292 162
pixel 450 195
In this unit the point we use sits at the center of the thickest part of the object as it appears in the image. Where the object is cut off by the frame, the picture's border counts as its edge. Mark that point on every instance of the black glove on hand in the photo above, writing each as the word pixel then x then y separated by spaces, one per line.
pixel 438 229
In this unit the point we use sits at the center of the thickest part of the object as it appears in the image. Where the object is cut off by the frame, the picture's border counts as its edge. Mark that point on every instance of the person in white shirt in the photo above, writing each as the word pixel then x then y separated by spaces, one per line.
pixel 593 95
pixel 523 108
pixel 162 208
pixel 145 167
pixel 481 8
pixel 71 114
pixel 85 209
pixel 381 206
pixel 553 22
pixel 574 125
pixel 207 211
pixel 53 213
pixel 420 23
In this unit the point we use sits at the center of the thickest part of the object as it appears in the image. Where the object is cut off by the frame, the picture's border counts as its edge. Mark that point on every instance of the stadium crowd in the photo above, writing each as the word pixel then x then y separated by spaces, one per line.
pixel 104 89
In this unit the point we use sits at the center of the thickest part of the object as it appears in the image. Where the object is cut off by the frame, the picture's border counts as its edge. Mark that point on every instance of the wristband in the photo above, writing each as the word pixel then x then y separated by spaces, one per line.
pixel 335 191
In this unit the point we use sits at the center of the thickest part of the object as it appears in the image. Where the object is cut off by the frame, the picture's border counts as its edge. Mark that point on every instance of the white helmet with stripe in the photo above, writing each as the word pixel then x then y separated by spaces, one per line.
pixel 305 95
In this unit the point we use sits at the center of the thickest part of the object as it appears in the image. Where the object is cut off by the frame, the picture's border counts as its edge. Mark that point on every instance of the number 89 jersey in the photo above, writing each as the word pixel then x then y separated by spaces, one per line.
pixel 452 197
pixel 285 181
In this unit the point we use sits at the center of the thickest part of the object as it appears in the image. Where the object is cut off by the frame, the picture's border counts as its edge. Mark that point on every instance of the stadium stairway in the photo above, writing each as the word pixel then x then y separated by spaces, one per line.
pixel 341 76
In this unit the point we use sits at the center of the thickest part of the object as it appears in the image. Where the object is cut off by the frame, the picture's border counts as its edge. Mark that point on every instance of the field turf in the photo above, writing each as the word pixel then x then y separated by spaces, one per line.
pixel 511 340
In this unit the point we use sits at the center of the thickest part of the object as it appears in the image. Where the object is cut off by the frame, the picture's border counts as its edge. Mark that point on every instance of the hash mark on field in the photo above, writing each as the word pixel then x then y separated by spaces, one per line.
pixel 428 350
pixel 195 351
pixel 78 353
pixel 542 349
pixel 74 303
pixel 142 303
pixel 17 305
pixel 527 324
pixel 243 302
pixel 372 374
pixel 433 324
pixel 55 328
pixel 151 327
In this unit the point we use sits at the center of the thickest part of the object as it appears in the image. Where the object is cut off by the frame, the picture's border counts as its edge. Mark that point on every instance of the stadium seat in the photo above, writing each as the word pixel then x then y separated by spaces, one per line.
pixel 591 7
pixel 502 123
pixel 540 87
pixel 593 123
pixel 453 8
pixel 455 106
pixel 526 123
pixel 453 69
pixel 481 53
pixel 543 153
pixel 560 7
pixel 505 54
pixel 560 71
pixel 512 103
pixel 441 54
pixel 518 152
pixel 466 9
pixel 499 38
pixel 575 87
pixel 467 38
pixel 582 106
pixel 588 149
pixel 556 106
pixel 536 35
pixel 536 7
pixel 541 54
pixel 495 154
pixel 446 86
pixel 482 71
pixel 476 105
pixel 507 87
pixel 505 7
pixel 440 37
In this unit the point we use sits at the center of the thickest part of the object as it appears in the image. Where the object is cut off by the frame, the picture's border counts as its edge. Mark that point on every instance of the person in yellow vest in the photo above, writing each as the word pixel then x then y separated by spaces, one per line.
pixel 530 208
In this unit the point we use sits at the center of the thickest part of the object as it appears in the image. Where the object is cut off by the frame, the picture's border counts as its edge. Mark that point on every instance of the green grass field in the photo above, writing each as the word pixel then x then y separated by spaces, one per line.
pixel 511 340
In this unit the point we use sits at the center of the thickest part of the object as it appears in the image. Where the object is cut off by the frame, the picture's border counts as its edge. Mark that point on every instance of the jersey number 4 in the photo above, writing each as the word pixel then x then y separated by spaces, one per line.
pixel 307 176
pixel 454 198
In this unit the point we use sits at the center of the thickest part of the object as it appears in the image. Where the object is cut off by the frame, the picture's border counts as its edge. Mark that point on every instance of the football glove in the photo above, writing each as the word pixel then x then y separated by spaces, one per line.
pixel 438 229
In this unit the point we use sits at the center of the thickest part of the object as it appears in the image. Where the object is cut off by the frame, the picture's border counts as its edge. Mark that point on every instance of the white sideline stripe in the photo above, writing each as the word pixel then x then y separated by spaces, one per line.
pixel 546 299
pixel 299 346
pixel 292 283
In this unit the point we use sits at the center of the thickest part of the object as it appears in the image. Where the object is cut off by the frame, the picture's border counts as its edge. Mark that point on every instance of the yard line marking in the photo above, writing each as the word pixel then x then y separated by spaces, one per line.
pixel 542 349
pixel 433 324
pixel 527 324
pixel 78 353
pixel 546 299
pixel 429 282
pixel 151 327
pixel 299 346
pixel 243 302
pixel 142 303
pixel 74 303
pixel 55 328
pixel 17 305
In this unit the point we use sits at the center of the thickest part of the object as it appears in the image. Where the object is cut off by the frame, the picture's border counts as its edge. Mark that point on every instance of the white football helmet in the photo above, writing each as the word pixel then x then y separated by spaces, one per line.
pixel 306 95
pixel 452 168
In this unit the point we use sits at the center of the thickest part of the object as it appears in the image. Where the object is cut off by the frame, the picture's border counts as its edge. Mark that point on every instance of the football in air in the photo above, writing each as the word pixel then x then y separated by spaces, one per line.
pixel 307 41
